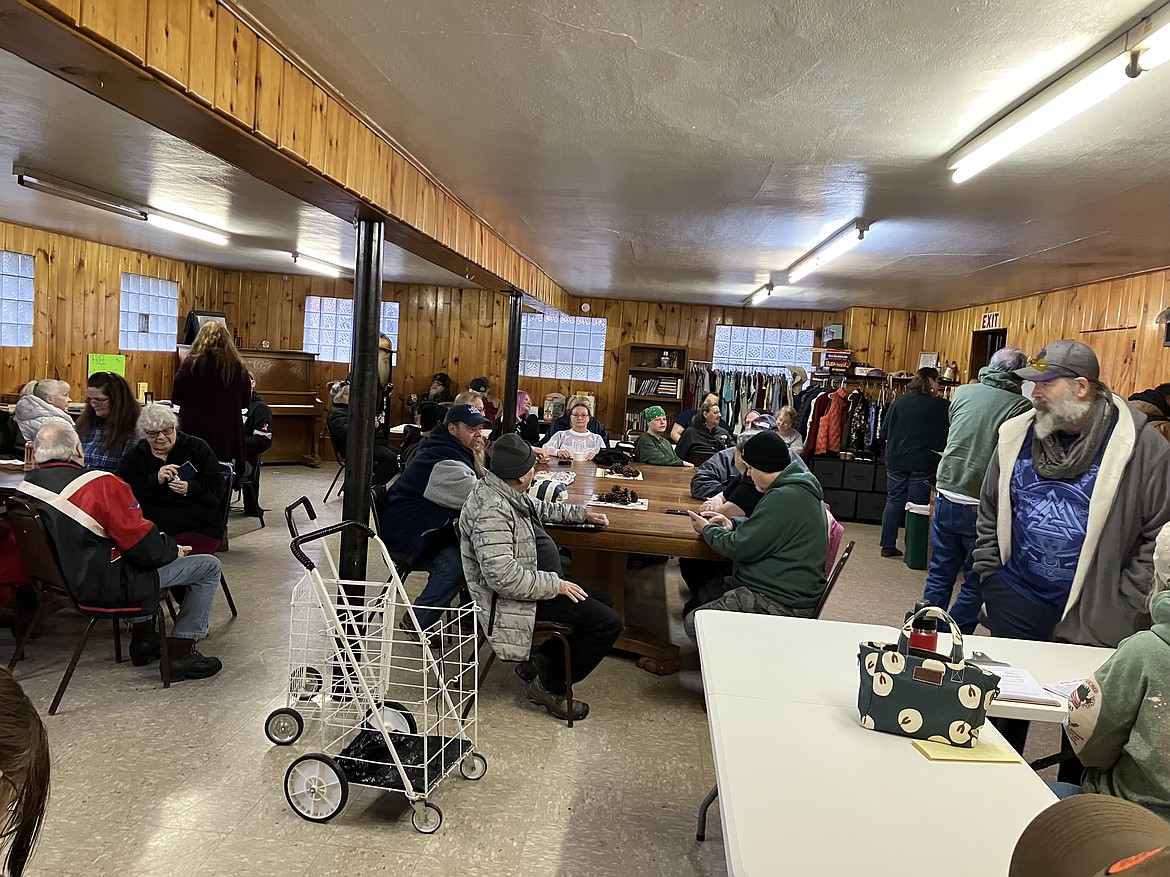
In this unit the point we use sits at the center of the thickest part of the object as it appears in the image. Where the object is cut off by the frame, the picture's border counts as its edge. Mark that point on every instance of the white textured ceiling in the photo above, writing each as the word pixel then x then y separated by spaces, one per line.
pixel 678 150
pixel 58 129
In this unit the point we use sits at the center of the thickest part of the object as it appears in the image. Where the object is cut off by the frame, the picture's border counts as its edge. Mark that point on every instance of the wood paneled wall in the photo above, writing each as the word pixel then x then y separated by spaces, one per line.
pixel 77 287
pixel 1114 317
pixel 206 51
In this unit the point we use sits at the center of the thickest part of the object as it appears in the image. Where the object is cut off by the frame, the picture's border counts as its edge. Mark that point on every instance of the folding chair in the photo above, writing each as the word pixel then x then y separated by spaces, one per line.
pixel 542 631
pixel 340 469
pixel 53 593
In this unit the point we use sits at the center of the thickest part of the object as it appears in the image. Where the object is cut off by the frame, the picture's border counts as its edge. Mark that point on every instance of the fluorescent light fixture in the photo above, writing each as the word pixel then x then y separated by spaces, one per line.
pixel 1106 72
pixel 1157 49
pixel 186 227
pixel 50 185
pixel 319 266
pixel 758 295
pixel 828 250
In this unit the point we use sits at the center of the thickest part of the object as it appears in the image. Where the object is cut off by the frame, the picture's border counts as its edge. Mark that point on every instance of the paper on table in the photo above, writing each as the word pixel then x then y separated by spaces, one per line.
pixel 1065 689
pixel 998 752
pixel 1020 686
pixel 640 505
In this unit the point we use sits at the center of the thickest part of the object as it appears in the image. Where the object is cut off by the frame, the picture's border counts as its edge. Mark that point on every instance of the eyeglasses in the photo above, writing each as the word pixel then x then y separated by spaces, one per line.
pixel 152 434
pixel 97 400
pixel 579 414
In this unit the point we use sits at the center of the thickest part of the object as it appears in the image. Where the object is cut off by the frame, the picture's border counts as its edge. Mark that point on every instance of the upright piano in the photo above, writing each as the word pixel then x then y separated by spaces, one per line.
pixel 287 381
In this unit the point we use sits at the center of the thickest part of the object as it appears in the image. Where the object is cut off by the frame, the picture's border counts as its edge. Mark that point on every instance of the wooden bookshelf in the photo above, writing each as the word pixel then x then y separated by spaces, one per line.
pixel 647 382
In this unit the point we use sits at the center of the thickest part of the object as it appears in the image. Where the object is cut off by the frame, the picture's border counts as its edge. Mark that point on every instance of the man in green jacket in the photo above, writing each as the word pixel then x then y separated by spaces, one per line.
pixel 778 553
pixel 976 413
pixel 653 447
pixel 1118 721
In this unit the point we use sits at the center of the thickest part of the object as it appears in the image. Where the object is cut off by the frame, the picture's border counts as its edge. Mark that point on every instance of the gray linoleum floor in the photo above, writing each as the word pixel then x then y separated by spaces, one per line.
pixel 183 782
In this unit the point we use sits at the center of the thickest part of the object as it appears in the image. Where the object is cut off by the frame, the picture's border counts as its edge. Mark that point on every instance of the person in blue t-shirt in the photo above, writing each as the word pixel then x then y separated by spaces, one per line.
pixel 1072 503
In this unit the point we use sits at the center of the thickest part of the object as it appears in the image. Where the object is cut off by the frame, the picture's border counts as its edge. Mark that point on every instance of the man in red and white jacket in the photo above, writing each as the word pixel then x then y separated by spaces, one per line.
pixel 113 558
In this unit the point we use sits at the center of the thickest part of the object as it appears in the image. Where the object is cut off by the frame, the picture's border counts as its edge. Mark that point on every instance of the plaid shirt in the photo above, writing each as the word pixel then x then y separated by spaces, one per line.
pixel 98 457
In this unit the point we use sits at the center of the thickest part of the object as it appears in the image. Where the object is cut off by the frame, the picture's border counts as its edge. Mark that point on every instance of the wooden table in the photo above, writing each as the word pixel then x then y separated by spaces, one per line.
pixel 599 556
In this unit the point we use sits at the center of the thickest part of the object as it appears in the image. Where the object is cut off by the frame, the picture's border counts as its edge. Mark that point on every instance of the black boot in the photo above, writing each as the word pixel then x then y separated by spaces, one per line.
pixel 187 663
pixel 145 645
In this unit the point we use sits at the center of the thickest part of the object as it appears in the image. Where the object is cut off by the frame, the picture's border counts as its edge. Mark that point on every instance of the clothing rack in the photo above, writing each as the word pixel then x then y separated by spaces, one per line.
pixel 751 367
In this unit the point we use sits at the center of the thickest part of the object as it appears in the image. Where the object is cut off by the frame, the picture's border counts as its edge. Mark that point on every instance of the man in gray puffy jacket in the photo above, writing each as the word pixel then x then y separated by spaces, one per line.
pixel 513 571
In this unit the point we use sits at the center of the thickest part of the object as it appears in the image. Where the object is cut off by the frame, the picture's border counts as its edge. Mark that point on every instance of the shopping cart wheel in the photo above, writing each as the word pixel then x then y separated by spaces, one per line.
pixel 305 682
pixel 427 820
pixel 473 766
pixel 316 788
pixel 284 726
pixel 395 717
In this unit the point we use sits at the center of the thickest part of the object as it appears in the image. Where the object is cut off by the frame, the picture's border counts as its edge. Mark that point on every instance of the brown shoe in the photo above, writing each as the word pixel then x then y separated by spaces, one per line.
pixel 187 663
pixel 557 705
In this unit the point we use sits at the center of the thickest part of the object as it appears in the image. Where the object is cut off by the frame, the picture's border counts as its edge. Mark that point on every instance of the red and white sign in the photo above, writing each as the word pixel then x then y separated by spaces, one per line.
pixel 990 321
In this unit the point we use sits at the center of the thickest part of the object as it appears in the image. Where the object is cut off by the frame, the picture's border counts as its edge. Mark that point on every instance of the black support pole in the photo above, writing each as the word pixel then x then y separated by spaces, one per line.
pixel 363 391
pixel 512 366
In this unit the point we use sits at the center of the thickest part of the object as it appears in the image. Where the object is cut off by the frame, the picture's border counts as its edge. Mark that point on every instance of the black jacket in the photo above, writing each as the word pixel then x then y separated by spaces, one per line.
pixel 530 429
pixel 201 510
pixel 108 551
pixel 701 438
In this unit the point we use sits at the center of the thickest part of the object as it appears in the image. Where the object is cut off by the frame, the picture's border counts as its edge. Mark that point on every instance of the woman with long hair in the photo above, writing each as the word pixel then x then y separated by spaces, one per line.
pixel 212 389
pixel 108 425
pixel 528 425
pixel 24 774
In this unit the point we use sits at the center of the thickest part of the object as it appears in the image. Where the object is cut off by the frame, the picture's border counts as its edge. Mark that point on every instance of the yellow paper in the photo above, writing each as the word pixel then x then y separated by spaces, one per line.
pixel 998 752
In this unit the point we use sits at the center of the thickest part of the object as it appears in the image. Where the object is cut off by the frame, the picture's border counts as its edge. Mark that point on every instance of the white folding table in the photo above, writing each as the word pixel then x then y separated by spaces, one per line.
pixel 805 789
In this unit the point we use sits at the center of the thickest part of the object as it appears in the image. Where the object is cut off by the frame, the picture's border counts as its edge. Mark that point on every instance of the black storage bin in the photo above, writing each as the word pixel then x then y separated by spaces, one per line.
pixel 842 503
pixel 858 476
pixel 830 473
pixel 870 506
pixel 879 477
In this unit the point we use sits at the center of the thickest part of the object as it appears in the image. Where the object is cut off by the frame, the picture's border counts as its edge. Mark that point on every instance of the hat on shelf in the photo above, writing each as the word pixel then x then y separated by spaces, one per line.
pixel 512 457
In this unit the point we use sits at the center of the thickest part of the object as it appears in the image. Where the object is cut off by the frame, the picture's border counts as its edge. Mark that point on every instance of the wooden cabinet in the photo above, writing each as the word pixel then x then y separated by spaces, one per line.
pixel 287 380
pixel 654 375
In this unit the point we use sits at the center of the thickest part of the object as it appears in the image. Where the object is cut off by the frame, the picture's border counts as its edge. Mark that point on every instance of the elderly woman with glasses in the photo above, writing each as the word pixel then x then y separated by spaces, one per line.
pixel 576 442
pixel 184 501
pixel 107 425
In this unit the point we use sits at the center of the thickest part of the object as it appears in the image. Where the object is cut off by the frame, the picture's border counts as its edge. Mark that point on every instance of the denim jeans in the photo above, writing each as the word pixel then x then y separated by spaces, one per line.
pixel 444 582
pixel 901 488
pixel 952 538
pixel 200 573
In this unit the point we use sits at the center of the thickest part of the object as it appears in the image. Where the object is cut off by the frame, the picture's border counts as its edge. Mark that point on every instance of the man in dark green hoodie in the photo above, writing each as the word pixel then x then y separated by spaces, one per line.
pixel 976 412
pixel 778 553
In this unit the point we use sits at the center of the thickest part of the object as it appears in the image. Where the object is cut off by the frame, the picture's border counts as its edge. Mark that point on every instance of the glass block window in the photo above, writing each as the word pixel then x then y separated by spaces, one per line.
pixel 329 327
pixel 16 299
pixel 762 348
pixel 149 315
pixel 570 348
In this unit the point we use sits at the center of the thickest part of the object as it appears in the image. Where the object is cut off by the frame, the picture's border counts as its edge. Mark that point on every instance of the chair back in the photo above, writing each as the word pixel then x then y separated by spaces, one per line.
pixel 836 574
pixel 336 450
pixel 699 456
pixel 36 550
pixel 229 477
pixel 377 503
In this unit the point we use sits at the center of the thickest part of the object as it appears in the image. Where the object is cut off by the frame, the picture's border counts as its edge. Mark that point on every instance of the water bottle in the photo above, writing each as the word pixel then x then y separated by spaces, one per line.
pixel 924 633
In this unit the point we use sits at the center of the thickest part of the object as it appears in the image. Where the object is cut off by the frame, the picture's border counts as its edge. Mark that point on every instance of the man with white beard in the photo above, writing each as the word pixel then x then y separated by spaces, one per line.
pixel 1069 512
pixel 1070 508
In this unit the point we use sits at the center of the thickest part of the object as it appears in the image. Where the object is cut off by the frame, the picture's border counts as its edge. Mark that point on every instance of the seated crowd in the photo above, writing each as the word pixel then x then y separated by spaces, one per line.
pixel 464 509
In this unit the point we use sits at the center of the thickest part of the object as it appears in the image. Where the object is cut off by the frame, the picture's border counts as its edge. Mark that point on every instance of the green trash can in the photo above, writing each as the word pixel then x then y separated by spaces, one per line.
pixel 917 535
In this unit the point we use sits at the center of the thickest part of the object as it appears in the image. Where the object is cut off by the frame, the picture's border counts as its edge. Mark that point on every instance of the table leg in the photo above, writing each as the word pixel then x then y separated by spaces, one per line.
pixel 607 570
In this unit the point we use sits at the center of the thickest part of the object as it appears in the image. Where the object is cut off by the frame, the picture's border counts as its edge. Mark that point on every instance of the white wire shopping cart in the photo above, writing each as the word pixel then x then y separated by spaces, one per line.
pixel 395 710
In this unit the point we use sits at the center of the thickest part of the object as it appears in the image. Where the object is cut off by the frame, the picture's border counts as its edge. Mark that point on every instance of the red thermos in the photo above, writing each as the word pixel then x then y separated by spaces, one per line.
pixel 924 633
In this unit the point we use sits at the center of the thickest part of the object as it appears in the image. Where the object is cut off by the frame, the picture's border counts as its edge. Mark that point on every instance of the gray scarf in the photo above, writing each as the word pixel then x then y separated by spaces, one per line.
pixel 1053 461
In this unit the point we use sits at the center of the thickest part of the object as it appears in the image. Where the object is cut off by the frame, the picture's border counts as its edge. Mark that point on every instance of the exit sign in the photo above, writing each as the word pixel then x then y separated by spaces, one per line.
pixel 990 320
